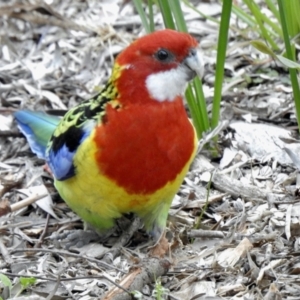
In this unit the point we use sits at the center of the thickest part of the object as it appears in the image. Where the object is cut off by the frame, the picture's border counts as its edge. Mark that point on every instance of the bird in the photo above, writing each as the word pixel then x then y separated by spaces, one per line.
pixel 127 149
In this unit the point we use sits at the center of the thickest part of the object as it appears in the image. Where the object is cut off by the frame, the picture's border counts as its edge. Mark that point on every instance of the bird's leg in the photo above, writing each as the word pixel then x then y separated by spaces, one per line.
pixel 122 240
pixel 161 247
pixel 128 233
pixel 158 235
pixel 75 238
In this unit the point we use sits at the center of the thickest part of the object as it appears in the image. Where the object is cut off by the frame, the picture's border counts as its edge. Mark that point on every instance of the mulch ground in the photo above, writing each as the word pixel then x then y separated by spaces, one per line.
pixel 234 226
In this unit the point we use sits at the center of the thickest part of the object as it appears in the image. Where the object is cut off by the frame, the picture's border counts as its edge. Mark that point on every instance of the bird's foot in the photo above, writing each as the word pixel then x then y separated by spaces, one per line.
pixel 127 234
pixel 75 238
pixel 124 238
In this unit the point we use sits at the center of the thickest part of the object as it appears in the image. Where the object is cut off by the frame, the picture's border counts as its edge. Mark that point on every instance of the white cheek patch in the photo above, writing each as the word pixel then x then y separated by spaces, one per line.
pixel 167 85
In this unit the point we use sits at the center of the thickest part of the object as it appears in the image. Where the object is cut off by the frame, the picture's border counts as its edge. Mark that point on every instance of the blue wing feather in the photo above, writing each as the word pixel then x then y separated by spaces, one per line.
pixel 37 128
pixel 63 148
pixel 61 162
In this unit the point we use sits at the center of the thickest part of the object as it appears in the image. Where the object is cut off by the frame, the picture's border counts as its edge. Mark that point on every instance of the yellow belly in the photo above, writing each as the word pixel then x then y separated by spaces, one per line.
pixel 99 201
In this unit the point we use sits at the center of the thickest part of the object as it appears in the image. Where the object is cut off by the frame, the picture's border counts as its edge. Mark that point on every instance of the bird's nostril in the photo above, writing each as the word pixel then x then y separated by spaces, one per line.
pixel 193 52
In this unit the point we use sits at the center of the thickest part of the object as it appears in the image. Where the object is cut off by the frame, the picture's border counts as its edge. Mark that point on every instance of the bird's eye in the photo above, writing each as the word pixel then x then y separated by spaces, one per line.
pixel 163 55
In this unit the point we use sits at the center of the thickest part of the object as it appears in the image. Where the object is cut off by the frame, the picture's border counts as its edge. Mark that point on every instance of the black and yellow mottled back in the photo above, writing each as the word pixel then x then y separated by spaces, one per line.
pixel 74 127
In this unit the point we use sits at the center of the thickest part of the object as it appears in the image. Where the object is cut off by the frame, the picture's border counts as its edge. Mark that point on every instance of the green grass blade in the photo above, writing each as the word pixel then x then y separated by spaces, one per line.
pixel 259 17
pixel 273 9
pixel 296 10
pixel 277 32
pixel 201 104
pixel 221 54
pixel 195 113
pixel 151 15
pixel 178 15
pixel 242 15
pixel 290 55
pixel 139 7
pixel 292 16
pixel 188 4
pixel 166 13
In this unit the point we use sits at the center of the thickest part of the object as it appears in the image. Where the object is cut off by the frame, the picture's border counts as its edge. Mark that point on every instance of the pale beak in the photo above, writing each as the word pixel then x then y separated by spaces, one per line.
pixel 194 62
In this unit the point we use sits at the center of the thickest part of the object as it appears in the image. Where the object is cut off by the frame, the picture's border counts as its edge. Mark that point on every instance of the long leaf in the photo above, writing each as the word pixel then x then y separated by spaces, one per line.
pixel 290 55
pixel 221 54
pixel 166 13
pixel 143 16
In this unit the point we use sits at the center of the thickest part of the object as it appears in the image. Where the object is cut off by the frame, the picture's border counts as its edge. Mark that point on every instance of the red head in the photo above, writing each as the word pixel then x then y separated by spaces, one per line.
pixel 160 63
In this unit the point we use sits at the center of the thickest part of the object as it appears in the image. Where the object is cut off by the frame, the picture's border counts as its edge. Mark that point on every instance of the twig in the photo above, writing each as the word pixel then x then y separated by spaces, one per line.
pixel 38 244
pixel 7 208
pixel 200 233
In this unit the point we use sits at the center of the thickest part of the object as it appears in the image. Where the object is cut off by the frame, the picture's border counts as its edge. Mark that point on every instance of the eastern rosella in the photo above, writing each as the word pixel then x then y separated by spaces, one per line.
pixel 128 148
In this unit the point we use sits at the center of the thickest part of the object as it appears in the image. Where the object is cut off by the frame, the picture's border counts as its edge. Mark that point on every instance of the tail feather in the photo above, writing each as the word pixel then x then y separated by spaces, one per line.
pixel 37 128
